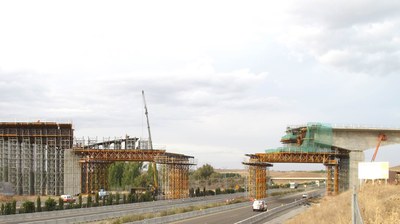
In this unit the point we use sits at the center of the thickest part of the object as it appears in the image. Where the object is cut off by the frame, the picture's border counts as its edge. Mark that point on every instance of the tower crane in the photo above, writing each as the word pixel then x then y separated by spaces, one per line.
pixel 150 144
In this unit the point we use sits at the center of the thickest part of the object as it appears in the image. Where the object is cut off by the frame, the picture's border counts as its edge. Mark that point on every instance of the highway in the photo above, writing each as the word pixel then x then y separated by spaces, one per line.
pixel 115 210
pixel 107 212
pixel 239 214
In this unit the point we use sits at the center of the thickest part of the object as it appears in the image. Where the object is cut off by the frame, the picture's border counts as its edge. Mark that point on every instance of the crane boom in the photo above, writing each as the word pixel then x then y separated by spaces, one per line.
pixel 381 137
pixel 148 123
pixel 150 145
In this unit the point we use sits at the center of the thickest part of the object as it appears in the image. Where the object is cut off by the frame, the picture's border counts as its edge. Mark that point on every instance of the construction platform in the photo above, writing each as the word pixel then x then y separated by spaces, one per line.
pixel 44 158
pixel 339 148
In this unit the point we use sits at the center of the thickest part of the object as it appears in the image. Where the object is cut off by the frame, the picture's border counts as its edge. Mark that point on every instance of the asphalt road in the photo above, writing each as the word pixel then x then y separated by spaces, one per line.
pixel 239 214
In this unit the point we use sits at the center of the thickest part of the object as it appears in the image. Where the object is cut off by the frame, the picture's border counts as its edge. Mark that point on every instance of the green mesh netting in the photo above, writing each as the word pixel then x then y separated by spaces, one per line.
pixel 318 138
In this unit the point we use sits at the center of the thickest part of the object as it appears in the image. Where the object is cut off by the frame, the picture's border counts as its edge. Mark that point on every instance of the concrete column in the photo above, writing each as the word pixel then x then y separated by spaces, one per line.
pixel 72 173
pixel 355 158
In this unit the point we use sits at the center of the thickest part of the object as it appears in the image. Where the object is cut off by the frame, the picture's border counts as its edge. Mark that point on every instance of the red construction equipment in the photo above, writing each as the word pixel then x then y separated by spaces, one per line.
pixel 381 137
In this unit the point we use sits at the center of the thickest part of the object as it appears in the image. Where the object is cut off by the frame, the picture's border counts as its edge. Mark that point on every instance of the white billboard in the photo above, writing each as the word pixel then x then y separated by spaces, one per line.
pixel 373 170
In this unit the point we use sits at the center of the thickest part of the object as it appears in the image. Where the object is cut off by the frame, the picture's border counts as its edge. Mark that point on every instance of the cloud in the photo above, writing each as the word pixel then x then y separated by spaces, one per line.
pixel 356 36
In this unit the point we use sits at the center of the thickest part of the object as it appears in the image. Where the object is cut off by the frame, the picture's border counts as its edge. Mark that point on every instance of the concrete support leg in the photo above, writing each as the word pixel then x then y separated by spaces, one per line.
pixel 355 158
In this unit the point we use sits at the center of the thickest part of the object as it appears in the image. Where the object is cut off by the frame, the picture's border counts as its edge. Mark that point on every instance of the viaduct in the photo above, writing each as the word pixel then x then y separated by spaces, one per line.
pixel 44 158
pixel 339 148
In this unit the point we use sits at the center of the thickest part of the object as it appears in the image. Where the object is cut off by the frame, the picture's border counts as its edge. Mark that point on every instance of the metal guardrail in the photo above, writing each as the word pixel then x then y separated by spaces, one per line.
pixel 106 212
pixel 264 215
pixel 355 209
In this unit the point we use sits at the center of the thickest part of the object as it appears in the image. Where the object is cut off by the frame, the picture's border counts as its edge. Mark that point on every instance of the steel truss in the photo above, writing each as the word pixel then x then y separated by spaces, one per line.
pixel 96 158
pixel 334 161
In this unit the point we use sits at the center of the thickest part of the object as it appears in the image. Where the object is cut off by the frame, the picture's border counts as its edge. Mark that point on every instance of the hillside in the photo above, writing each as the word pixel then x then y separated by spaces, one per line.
pixel 378 204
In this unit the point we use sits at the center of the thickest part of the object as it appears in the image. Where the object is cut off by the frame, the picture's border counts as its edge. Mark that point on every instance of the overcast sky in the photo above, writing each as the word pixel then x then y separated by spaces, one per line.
pixel 221 78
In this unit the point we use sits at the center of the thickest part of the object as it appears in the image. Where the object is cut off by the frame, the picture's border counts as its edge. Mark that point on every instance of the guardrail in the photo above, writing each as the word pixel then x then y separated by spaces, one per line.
pixel 106 212
pixel 264 215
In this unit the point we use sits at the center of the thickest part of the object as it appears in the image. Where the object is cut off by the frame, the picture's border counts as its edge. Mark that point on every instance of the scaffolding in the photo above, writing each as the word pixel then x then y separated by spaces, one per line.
pixel 174 175
pixel 32 156
pixel 257 181
pixel 96 157
pixel 311 143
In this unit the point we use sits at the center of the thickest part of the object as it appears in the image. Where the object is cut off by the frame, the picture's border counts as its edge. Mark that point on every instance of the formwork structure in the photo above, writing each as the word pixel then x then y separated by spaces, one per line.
pixel 257 181
pixel 174 175
pixel 32 156
pixel 96 157
pixel 310 144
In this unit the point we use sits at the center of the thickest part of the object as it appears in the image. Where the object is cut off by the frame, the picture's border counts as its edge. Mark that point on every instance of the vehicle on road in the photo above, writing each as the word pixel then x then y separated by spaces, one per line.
pixel 103 193
pixel 67 198
pixel 305 196
pixel 259 205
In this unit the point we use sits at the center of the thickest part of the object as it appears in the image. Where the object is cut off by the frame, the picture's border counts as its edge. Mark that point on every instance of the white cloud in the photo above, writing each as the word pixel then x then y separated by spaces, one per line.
pixel 220 78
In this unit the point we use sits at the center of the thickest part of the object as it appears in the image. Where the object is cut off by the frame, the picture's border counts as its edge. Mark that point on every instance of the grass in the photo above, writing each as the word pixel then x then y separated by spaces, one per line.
pixel 378 204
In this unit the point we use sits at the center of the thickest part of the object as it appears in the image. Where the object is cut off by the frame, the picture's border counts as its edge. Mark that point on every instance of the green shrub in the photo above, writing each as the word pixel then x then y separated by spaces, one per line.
pixel 38 204
pixel 80 201
pixel 110 198
pixel 50 204
pixel 89 201
pixel 14 207
pixel 28 207
pixel 117 198
pixel 96 198
pixel 60 204
pixel 8 208
pixel 2 209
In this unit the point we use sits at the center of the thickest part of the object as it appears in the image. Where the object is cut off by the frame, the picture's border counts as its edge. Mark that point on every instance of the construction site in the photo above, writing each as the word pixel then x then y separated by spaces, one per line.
pixel 338 148
pixel 44 158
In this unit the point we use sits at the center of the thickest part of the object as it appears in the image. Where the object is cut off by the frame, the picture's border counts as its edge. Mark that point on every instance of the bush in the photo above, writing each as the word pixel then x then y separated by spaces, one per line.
pixel 97 198
pixel 8 208
pixel 117 198
pixel 28 207
pixel 89 201
pixel 130 198
pixel 14 207
pixel 38 204
pixel 110 198
pixel 60 204
pixel 80 201
pixel 50 204
pixel 2 209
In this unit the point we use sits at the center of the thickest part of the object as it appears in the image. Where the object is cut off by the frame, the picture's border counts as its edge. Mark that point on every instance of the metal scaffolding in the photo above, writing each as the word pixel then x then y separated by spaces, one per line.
pixel 257 181
pixel 96 157
pixel 173 175
pixel 32 156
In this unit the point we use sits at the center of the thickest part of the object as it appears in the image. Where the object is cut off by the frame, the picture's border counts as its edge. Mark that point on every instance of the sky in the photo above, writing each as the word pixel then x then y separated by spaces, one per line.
pixel 221 78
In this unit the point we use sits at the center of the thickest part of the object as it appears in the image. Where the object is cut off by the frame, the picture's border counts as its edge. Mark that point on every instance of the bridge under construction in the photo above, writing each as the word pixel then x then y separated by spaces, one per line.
pixel 339 148
pixel 44 158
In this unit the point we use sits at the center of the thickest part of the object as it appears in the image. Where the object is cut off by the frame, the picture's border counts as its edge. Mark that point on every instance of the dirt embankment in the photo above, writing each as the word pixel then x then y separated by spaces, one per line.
pixel 378 204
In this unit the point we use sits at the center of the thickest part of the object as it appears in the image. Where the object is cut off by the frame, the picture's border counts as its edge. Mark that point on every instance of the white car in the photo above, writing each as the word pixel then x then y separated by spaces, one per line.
pixel 259 205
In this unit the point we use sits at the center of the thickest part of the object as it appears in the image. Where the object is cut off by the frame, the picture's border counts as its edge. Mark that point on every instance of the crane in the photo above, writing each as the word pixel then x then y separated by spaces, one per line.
pixel 150 145
pixel 381 137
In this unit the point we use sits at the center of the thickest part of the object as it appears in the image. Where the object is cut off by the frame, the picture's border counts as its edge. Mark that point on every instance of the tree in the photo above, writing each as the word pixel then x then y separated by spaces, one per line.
pixel 204 172
pixel 50 204
pixel 38 204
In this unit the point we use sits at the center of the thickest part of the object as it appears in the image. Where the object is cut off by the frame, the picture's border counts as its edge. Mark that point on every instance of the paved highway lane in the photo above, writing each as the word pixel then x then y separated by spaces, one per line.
pixel 239 214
